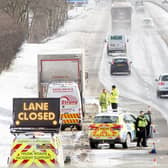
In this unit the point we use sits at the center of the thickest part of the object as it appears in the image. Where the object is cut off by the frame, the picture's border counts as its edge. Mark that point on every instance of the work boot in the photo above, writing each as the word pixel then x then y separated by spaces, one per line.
pixel 145 145
pixel 138 145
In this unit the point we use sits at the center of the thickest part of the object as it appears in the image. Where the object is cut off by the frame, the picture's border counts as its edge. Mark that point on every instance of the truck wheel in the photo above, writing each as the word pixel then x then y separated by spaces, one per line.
pixel 127 142
pixel 112 146
pixel 92 144
pixel 79 127
pixel 62 127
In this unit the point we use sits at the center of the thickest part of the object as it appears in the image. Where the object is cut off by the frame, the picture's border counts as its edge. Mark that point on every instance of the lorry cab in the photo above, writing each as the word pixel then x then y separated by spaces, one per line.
pixel 70 103
pixel 116 43
pixel 36 149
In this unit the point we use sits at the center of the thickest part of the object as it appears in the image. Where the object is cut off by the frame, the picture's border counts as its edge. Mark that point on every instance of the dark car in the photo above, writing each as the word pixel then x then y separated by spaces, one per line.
pixel 120 65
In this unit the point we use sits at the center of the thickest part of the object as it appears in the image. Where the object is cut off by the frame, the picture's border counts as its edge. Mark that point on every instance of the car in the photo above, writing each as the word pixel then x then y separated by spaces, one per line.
pixel 120 65
pixel 162 85
pixel 116 43
pixel 148 22
pixel 36 149
pixel 112 128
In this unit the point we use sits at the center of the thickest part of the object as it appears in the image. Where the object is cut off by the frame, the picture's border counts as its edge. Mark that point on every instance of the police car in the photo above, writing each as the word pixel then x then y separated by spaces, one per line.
pixel 36 149
pixel 112 128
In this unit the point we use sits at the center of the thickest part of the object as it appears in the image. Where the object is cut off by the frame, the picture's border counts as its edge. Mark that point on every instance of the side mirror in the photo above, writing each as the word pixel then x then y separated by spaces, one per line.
pixel 130 62
pixel 105 41
pixel 156 80
pixel 109 62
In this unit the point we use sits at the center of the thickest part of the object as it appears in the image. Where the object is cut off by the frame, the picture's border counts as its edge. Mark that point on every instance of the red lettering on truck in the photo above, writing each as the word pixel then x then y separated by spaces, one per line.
pixel 69 100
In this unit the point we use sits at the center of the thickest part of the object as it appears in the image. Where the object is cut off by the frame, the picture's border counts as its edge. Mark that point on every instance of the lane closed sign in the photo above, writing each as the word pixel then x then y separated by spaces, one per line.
pixel 36 112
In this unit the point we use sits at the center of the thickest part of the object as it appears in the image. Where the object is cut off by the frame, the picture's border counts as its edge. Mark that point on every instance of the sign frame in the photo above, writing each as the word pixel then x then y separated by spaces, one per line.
pixel 36 113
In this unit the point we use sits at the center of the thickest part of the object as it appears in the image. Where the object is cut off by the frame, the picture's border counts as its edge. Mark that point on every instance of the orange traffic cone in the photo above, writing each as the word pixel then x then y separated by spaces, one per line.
pixel 153 151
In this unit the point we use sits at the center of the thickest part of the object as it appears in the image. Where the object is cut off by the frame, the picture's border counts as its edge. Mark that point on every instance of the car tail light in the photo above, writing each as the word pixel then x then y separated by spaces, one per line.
pixel 92 127
pixel 112 62
pixel 117 127
pixel 161 83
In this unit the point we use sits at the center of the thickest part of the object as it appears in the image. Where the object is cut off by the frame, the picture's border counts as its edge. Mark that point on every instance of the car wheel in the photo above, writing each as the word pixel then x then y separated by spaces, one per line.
pixel 112 146
pixel 127 142
pixel 79 127
pixel 92 144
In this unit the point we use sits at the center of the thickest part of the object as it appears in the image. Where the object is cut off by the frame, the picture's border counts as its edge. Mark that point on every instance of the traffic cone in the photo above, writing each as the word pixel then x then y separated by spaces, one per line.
pixel 153 151
pixel 155 162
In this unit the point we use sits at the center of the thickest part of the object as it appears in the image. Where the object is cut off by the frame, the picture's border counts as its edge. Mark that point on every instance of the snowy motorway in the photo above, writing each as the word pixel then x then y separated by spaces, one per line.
pixel 148 52
pixel 87 28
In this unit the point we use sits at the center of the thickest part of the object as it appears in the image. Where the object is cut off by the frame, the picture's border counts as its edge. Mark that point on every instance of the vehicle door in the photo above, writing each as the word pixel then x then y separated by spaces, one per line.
pixel 130 125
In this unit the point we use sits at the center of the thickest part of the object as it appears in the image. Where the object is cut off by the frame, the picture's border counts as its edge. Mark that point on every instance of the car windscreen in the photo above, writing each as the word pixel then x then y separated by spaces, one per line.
pixel 115 37
pixel 164 78
pixel 106 119
pixel 120 60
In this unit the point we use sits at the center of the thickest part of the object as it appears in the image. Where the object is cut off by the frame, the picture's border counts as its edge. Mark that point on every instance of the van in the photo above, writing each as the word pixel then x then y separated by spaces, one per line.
pixel 36 149
pixel 70 103
pixel 116 43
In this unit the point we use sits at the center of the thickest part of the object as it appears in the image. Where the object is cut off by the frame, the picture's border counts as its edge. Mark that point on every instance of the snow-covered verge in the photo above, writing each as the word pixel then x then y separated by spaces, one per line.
pixel 21 79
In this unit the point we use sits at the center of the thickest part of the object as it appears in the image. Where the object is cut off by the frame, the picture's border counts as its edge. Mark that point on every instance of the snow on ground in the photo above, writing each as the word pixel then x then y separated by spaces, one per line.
pixel 21 79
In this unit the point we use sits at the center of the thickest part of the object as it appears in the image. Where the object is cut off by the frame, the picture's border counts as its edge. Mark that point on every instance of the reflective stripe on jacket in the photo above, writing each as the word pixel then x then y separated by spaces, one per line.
pixel 114 96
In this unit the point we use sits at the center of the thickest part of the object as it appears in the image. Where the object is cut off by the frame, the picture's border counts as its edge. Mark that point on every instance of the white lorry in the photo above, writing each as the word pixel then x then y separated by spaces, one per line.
pixel 61 74
pixel 121 13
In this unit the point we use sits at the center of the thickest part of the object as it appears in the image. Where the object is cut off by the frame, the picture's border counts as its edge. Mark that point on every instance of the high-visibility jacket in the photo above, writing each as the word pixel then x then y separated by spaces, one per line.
pixel 114 96
pixel 104 99
pixel 141 122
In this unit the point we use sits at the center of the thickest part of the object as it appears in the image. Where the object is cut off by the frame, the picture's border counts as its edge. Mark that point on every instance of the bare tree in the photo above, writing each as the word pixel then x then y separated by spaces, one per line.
pixel 11 37
pixel 31 19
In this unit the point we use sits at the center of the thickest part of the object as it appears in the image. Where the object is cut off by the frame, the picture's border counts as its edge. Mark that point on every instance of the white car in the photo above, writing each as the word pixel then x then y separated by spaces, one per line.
pixel 162 85
pixel 148 22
